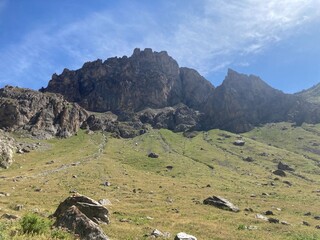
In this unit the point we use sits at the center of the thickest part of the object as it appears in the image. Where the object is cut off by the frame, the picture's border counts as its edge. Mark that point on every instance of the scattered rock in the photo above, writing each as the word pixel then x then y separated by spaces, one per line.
pixel 262 217
pixel 169 167
pixel 306 223
pixel 156 233
pixel 153 155
pixel 89 207
pixel 273 220
pixel 184 236
pixel 50 162
pixel 248 159
pixel 18 207
pixel 239 143
pixel 279 172
pixel 9 216
pixel 222 203
pixel 248 209
pixel 284 167
pixel 269 213
pixel 288 183
pixel 106 184
pixel 307 214
pixel 317 217
pixel 4 194
pixel 317 227
pixel 285 223
pixel 7 145
pixel 77 222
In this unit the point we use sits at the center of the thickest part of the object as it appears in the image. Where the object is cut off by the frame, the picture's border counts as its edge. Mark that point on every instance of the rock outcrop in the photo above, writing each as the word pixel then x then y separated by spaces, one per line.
pixel 81 215
pixel 42 114
pixel 7 148
pixel 147 79
pixel 77 222
pixel 243 101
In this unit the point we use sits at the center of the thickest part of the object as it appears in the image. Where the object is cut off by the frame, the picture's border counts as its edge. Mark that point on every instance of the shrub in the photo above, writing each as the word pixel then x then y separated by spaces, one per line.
pixel 34 224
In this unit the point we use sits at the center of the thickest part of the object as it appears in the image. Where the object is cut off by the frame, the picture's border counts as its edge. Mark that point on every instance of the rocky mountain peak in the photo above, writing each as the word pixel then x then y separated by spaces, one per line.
pixel 145 79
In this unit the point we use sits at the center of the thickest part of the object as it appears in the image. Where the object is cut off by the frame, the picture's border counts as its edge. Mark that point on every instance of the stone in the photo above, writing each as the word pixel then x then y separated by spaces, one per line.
pixel 18 207
pixel 285 167
pixel 307 214
pixel 89 207
pixel 4 194
pixel 269 213
pixel 78 223
pixel 184 236
pixel 279 173
pixel 317 217
pixel 221 203
pixel 248 159
pixel 9 216
pixel 262 217
pixel 288 183
pixel 317 227
pixel 153 155
pixel 7 146
pixel 273 220
pixel 285 223
pixel 158 234
pixel 306 223
pixel 239 143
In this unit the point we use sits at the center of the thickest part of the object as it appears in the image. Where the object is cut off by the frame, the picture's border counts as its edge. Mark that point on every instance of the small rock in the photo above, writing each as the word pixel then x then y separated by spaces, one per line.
pixel 248 209
pixel 184 236
pixel 288 183
pixel 252 227
pixel 157 233
pixel 153 155
pixel 317 227
pixel 284 167
pixel 169 167
pixel 221 203
pixel 265 194
pixel 269 213
pixel 9 216
pixel 208 186
pixel 317 217
pixel 284 223
pixel 18 207
pixel 273 220
pixel 38 190
pixel 262 217
pixel 248 159
pixel 74 176
pixel 106 184
pixel 279 172
pixel 307 214
pixel 4 194
pixel 124 220
pixel 239 143
pixel 149 218
pixel 50 162
pixel 306 223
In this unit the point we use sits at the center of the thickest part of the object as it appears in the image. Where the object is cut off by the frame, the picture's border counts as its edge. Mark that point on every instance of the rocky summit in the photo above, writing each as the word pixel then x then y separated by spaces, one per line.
pixel 147 79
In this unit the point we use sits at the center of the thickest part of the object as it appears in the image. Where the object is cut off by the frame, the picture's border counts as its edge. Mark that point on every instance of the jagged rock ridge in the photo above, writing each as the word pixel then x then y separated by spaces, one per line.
pixel 42 114
pixel 146 79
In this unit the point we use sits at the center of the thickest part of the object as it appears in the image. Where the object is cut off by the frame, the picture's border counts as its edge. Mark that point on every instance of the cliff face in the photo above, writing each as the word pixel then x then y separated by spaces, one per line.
pixel 146 79
pixel 243 101
pixel 153 80
pixel 42 114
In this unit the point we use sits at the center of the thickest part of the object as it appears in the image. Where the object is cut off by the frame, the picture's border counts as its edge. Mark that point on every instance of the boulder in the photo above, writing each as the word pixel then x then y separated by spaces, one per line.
pixel 222 203
pixel 184 236
pixel 239 143
pixel 284 167
pixel 153 155
pixel 279 172
pixel 262 217
pixel 89 207
pixel 77 222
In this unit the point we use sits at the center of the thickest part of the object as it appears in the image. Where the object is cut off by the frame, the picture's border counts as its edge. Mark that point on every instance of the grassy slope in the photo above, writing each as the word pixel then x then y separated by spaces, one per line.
pixel 172 198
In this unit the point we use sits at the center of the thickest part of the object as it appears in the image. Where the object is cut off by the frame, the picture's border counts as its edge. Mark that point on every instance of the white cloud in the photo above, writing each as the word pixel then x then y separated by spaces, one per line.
pixel 206 37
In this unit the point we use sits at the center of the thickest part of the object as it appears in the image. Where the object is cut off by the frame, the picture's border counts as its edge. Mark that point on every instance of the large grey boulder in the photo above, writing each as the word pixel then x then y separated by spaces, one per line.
pixel 89 207
pixel 221 203
pixel 77 222
pixel 7 146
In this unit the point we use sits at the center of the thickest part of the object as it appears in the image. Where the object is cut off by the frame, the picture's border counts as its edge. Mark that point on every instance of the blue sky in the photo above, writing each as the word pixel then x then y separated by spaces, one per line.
pixel 277 40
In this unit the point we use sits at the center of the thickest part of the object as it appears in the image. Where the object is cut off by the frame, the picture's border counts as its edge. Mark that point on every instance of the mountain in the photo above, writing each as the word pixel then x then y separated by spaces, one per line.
pixel 311 95
pixel 244 101
pixel 130 84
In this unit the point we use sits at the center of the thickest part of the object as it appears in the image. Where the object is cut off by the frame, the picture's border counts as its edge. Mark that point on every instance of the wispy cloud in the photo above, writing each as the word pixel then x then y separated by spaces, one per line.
pixel 207 37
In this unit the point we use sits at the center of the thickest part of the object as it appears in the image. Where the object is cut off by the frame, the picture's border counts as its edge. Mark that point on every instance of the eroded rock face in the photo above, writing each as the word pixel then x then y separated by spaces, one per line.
pixel 146 79
pixel 77 222
pixel 7 148
pixel 42 114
